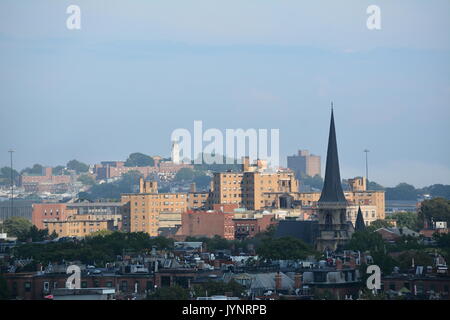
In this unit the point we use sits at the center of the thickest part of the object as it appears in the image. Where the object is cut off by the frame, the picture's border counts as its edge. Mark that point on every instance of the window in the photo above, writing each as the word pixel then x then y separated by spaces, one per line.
pixel 27 286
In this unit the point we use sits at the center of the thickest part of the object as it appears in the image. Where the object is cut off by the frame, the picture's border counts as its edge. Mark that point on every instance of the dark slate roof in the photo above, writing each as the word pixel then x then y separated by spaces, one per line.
pixel 359 224
pixel 332 188
pixel 306 231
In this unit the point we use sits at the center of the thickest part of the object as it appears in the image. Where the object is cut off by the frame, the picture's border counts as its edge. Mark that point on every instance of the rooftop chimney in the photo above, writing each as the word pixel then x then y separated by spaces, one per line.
pixel 278 281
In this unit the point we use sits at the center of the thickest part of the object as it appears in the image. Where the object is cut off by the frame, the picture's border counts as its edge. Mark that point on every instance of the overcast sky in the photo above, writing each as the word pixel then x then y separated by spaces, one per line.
pixel 137 70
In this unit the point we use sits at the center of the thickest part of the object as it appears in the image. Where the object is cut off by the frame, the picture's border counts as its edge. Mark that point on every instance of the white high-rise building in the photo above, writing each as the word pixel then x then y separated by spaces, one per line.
pixel 175 152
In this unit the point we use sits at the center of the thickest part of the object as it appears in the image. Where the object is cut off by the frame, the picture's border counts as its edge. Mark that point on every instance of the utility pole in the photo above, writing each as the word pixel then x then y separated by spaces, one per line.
pixel 367 165
pixel 12 181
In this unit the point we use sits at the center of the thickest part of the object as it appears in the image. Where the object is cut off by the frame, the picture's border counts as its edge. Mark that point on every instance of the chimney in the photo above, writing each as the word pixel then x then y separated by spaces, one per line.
pixel 141 185
pixel 245 164
pixel 193 187
pixel 297 281
pixel 48 172
pixel 154 186
pixel 352 263
pixel 338 264
pixel 278 281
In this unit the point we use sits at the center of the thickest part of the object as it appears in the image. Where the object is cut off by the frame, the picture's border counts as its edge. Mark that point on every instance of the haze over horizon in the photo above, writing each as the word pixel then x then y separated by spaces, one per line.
pixel 137 70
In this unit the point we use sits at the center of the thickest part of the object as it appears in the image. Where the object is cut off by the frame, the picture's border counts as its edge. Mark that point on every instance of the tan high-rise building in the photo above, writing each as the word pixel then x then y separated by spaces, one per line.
pixel 247 188
pixel 304 163
pixel 358 184
pixel 142 210
pixel 148 210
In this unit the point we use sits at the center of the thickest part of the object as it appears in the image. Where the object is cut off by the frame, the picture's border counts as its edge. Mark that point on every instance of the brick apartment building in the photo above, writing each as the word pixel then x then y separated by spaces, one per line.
pixel 249 227
pixel 43 212
pixel 217 222
pixel 247 188
pixel 80 225
pixel 46 182
pixel 417 285
pixel 36 285
pixel 77 219
pixel 149 210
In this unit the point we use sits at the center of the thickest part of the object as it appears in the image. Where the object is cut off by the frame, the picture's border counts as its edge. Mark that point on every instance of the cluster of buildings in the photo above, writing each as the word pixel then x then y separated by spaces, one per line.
pixel 50 186
pixel 161 170
pixel 189 264
pixel 47 182
pixel 238 205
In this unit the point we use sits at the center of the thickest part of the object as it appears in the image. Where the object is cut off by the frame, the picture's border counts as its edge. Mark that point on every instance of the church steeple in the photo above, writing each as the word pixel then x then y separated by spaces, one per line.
pixel 359 224
pixel 334 229
pixel 332 188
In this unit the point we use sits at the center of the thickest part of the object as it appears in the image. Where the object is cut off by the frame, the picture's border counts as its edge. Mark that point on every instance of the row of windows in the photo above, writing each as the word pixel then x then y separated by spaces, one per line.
pixel 161 203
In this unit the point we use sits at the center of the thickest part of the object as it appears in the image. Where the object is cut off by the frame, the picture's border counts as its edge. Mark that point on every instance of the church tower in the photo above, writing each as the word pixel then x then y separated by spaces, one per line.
pixel 334 229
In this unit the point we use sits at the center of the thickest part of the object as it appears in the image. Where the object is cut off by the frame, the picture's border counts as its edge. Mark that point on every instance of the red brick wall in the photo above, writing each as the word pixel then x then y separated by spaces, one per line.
pixel 47 211
pixel 207 223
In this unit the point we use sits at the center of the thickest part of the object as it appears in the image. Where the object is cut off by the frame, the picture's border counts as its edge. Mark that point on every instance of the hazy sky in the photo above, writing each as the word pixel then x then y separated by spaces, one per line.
pixel 137 70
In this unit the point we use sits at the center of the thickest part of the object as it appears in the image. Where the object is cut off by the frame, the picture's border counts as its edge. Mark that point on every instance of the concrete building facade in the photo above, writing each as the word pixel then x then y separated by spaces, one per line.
pixel 304 163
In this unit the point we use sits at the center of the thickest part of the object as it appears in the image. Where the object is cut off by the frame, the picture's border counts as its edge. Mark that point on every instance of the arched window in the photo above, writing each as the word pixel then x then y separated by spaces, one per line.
pixel 328 222
pixel 343 218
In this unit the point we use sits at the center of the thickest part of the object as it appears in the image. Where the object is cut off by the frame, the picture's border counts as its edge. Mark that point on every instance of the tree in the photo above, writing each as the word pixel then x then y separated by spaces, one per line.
pixel 77 166
pixel 15 226
pixel 437 190
pixel 213 288
pixel 139 160
pixel 373 243
pixel 35 235
pixel 421 258
pixel 86 180
pixel 377 224
pixel 286 248
pixel 99 248
pixel 185 174
pixel 202 181
pixel 4 292
pixel 214 243
pixel 366 241
pixel 402 191
pixel 169 293
pixel 5 176
pixel 37 169
pixel 58 170
pixel 372 185
pixel 406 219
pixel 437 209
pixel 129 180
pixel 100 233
pixel 443 243
pixel 128 183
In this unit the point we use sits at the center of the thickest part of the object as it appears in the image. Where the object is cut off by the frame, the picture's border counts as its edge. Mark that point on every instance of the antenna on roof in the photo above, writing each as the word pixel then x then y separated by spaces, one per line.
pixel 331 105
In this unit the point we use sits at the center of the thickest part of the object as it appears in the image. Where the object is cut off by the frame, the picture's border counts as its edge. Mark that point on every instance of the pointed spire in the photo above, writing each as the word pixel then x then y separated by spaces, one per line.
pixel 359 224
pixel 332 188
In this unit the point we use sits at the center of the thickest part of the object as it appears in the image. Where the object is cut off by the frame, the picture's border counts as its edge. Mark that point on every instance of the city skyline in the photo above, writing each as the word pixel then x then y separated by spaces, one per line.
pixel 101 93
